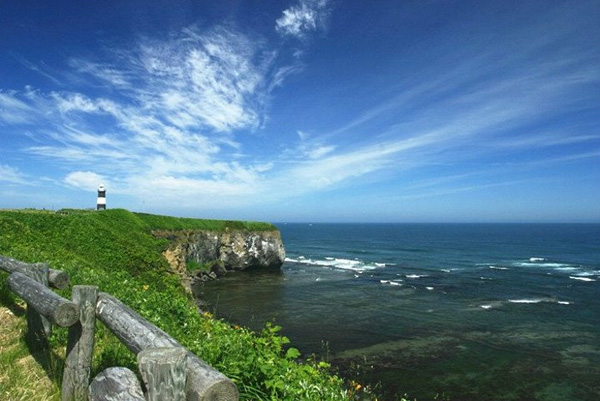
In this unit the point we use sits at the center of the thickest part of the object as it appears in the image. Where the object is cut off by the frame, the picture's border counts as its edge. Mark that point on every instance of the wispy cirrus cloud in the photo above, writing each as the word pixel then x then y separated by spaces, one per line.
pixel 14 110
pixel 303 18
pixel 12 175
pixel 163 114
pixel 167 120
pixel 483 116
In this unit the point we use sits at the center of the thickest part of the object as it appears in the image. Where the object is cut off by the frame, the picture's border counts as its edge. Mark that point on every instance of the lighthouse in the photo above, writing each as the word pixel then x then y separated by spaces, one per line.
pixel 101 203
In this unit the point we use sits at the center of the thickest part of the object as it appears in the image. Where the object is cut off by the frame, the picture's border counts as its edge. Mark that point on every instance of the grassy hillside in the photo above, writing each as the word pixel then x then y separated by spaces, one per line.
pixel 115 250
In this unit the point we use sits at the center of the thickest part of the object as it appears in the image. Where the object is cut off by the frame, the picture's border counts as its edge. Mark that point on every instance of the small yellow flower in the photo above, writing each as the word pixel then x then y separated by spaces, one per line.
pixel 145 287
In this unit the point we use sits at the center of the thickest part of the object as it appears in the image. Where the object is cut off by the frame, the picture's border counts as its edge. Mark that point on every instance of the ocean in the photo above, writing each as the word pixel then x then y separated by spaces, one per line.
pixel 436 311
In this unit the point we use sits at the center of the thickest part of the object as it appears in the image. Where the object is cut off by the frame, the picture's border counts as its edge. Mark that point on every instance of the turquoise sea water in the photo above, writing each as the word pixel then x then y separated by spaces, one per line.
pixel 474 312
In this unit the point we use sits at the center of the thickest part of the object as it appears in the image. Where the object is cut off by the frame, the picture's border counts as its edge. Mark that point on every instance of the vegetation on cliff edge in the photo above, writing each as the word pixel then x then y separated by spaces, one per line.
pixel 116 251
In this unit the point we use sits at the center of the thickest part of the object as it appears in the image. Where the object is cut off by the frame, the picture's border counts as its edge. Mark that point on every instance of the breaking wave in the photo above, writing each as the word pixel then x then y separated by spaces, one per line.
pixel 338 263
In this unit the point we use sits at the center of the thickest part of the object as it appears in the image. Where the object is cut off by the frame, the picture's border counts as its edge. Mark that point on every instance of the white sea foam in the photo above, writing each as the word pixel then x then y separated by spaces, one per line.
pixel 537 259
pixel 525 301
pixel 390 282
pixel 581 278
pixel 564 302
pixel 550 265
pixel 414 276
pixel 429 288
pixel 498 268
pixel 446 270
pixel 567 268
pixel 337 263
pixel 485 306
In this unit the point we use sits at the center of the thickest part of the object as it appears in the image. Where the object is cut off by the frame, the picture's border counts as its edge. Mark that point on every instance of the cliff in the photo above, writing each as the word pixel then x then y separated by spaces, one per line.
pixel 230 249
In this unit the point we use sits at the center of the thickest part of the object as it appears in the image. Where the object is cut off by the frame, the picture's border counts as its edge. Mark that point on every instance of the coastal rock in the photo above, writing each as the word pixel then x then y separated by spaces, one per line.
pixel 227 250
pixel 218 269
pixel 240 250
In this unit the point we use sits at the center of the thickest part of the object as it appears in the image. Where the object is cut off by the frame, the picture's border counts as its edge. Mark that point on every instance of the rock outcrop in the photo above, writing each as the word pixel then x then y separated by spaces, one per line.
pixel 228 250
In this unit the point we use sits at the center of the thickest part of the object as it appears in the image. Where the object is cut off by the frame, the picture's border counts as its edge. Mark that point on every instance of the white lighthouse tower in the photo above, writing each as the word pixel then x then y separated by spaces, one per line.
pixel 101 203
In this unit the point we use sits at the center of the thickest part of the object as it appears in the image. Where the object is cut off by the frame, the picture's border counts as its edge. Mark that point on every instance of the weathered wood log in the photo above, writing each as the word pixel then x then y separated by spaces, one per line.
pixel 116 384
pixel 58 310
pixel 80 345
pixel 39 327
pixel 56 278
pixel 163 373
pixel 203 382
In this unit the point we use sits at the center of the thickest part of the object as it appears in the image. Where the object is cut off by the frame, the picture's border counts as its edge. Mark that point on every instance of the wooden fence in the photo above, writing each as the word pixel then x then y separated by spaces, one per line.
pixel 168 370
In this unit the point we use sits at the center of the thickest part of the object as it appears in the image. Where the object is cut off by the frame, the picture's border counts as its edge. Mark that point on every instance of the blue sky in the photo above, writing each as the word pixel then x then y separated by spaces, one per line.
pixel 304 110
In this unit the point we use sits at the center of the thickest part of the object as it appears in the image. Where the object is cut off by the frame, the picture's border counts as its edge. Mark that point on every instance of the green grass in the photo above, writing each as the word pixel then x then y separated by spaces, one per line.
pixel 116 251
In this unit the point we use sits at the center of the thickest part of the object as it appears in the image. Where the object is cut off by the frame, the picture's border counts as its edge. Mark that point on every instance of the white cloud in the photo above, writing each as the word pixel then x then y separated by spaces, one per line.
pixel 215 79
pixel 85 180
pixel 11 175
pixel 13 110
pixel 305 17
pixel 103 72
pixel 320 151
pixel 170 132
pixel 75 102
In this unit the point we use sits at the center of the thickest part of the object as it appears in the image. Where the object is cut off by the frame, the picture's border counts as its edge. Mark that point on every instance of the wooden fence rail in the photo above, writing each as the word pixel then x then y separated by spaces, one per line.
pixel 56 278
pixel 168 370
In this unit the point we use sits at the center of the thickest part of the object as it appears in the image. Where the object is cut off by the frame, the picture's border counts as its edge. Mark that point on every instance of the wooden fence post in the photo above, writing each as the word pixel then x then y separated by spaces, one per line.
pixel 163 372
pixel 116 384
pixel 39 327
pixel 80 345
pixel 203 381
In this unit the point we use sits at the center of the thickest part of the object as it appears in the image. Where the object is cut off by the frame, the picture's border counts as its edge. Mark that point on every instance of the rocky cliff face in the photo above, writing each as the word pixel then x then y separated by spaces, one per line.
pixel 233 249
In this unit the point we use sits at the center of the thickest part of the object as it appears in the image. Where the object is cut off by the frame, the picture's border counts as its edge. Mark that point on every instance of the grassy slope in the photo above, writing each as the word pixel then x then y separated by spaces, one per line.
pixel 116 251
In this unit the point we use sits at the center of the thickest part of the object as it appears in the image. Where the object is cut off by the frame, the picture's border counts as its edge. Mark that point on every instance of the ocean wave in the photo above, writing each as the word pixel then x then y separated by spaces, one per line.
pixel 391 282
pixel 567 268
pixel 545 264
pixel 539 300
pixel 338 263
pixel 414 276
pixel 498 267
pixel 581 278
pixel 525 301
